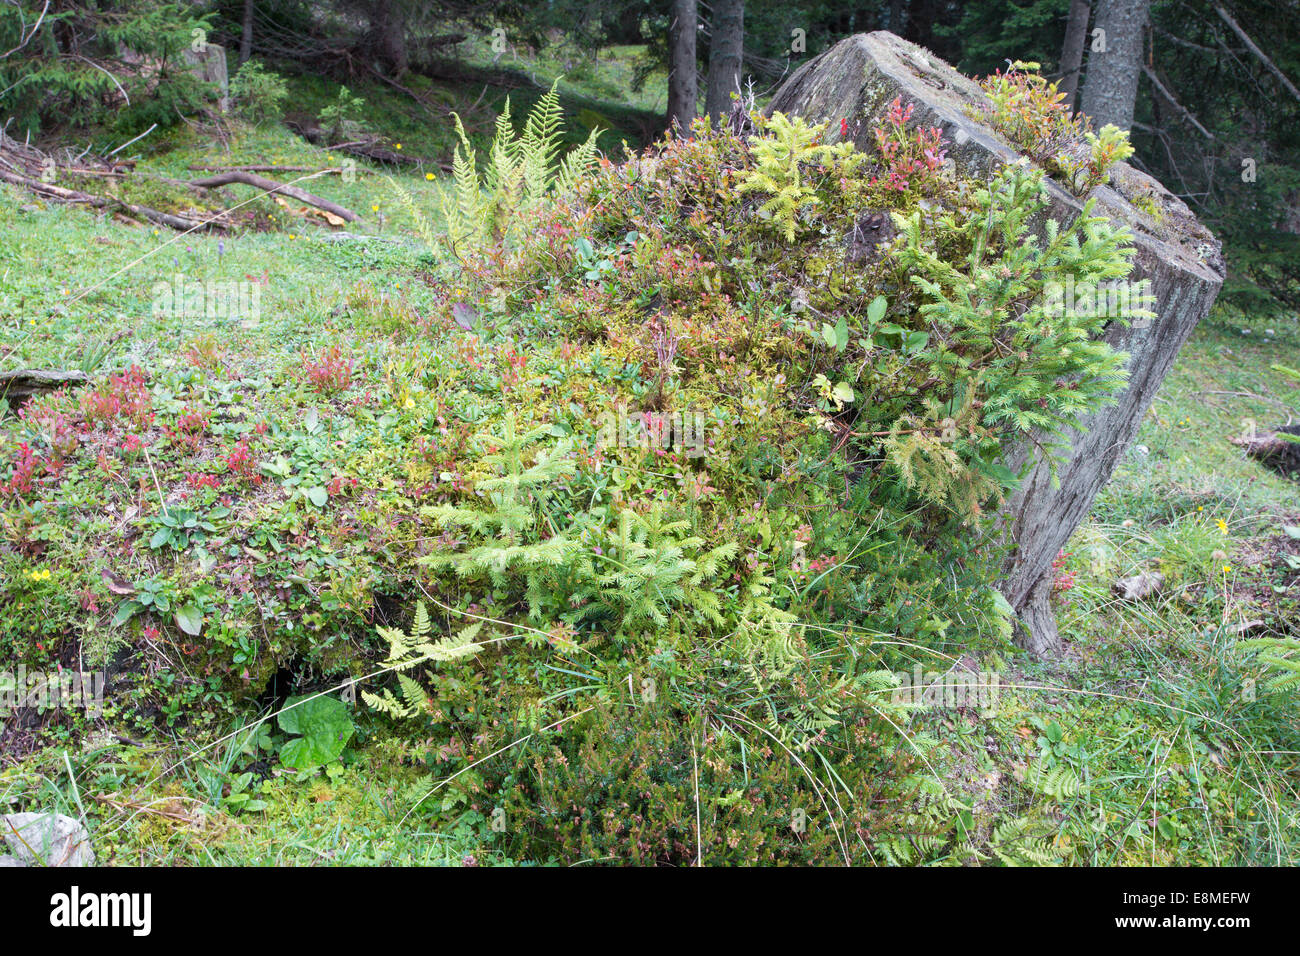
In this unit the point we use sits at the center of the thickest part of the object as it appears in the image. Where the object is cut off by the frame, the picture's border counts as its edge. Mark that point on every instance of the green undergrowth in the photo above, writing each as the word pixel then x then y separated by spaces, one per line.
pixel 609 540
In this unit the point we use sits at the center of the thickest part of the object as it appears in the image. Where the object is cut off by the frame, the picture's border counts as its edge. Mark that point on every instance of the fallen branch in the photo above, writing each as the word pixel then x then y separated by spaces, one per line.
pixel 103 173
pixel 365 148
pixel 51 191
pixel 1272 449
pixel 199 168
pixel 271 186
pixel 17 387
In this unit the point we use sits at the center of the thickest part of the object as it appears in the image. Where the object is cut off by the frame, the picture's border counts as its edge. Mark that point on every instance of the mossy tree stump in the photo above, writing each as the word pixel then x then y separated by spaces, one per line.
pixel 856 80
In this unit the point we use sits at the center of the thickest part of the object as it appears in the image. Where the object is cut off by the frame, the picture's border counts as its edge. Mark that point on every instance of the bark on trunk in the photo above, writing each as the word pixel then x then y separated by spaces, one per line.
pixel 246 35
pixel 1115 62
pixel 857 79
pixel 726 46
pixel 388 37
pixel 682 85
pixel 1076 32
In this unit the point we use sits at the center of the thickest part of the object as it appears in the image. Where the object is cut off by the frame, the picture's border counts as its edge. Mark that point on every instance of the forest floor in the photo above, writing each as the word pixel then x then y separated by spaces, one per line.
pixel 1175 755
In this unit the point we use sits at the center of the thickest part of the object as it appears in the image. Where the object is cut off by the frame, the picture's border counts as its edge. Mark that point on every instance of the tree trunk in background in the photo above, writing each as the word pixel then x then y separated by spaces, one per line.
pixel 1111 89
pixel 682 83
pixel 1076 33
pixel 388 36
pixel 246 37
pixel 726 44
pixel 897 16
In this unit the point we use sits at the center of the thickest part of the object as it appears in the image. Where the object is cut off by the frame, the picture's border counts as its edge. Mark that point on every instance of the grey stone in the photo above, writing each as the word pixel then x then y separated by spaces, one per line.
pixel 48 839
pixel 856 80
pixel 1139 586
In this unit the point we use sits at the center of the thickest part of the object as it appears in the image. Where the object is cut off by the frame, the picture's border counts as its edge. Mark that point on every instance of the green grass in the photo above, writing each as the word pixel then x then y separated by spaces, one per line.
pixel 1183 757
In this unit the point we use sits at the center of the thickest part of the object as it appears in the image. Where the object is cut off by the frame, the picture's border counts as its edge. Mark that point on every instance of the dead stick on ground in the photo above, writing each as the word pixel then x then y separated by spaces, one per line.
pixel 198 168
pixel 271 186
pixel 51 191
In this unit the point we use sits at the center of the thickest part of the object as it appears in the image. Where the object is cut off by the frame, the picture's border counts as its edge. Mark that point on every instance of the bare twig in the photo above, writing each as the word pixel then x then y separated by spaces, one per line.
pixel 1250 45
pixel 27 39
pixel 134 140
pixel 120 88
pixel 1181 110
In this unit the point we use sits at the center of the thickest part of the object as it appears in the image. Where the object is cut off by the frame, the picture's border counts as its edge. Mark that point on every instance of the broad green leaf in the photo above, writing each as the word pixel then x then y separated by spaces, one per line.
pixel 125 611
pixel 189 619
pixel 324 728
pixel 876 310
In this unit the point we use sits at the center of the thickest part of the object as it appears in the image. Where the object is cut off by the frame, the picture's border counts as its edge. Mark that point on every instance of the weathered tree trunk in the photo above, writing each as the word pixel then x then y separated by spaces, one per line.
pixel 1115 62
pixel 1076 33
pixel 388 36
pixel 17 387
pixel 246 35
pixel 682 85
pixel 857 79
pixel 208 64
pixel 726 48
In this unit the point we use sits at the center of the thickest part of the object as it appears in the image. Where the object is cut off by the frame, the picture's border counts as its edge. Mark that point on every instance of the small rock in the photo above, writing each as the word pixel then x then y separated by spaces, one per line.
pixel 1139 586
pixel 47 839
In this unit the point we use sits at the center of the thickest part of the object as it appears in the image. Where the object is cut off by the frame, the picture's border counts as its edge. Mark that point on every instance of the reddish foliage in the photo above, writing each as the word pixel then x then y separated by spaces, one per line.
pixel 328 371
pixel 190 429
pixel 241 463
pixel 1064 579
pixel 912 157
pixel 122 396
pixel 198 479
